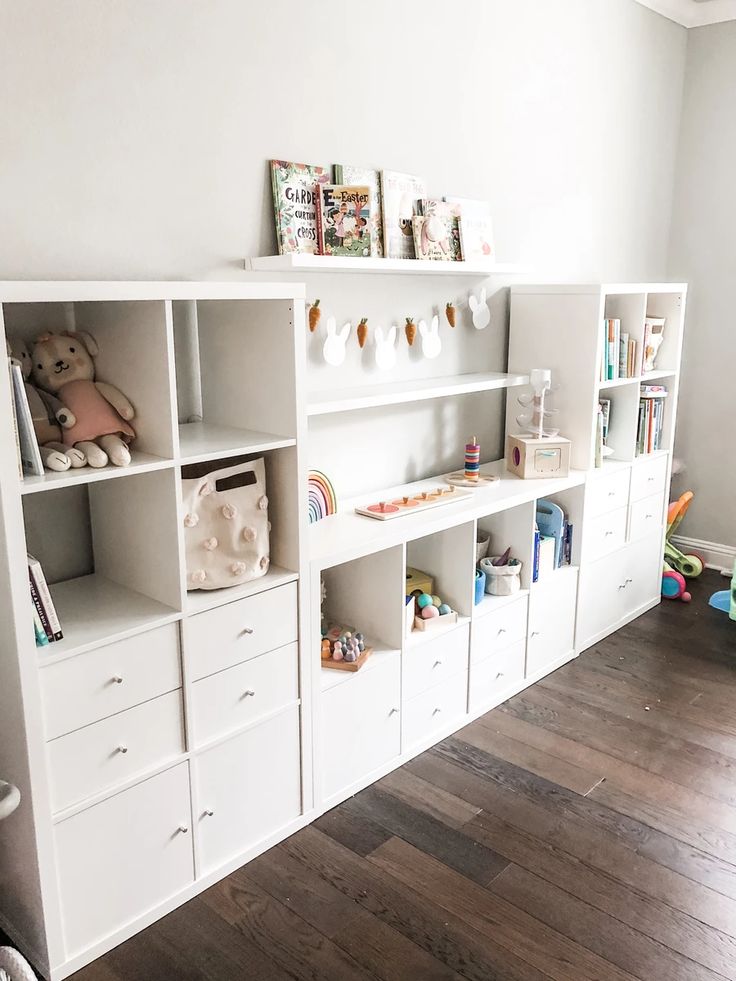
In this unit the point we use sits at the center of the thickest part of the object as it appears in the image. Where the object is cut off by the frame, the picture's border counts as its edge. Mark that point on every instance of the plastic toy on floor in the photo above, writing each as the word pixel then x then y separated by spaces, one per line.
pixel 678 565
pixel 725 599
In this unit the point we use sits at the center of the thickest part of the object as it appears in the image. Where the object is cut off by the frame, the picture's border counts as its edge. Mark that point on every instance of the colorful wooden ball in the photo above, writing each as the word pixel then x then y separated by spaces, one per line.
pixel 436 601
pixel 424 600
pixel 444 609
pixel 430 611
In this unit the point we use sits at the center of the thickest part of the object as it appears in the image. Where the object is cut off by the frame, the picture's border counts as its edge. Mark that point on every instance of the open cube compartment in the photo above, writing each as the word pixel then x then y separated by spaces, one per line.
pixel 512 529
pixel 448 558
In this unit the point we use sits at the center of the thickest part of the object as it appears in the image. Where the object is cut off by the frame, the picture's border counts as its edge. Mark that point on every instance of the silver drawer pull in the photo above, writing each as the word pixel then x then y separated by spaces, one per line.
pixel 622 586
pixel 436 711
pixel 122 748
pixel 246 631
pixel 502 630
pixel 608 533
pixel 499 675
pixel 648 516
pixel 208 813
pixel 612 493
pixel 535 633
pixel 117 679
pixel 627 581
pixel 437 664
pixel 184 828
pixel 248 693
pixel 394 712
pixel 650 480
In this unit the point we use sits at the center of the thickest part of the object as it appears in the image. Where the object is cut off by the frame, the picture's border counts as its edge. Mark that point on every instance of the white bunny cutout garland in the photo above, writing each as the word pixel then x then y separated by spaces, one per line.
pixel 481 312
pixel 334 347
pixel 386 347
pixel 431 343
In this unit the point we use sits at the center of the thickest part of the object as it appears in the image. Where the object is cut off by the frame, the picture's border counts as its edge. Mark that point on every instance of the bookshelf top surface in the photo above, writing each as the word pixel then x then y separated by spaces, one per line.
pixel 93 291
pixel 607 289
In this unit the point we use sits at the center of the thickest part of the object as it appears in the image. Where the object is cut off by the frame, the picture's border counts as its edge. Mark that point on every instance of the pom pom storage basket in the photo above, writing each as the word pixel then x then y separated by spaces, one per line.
pixel 501 580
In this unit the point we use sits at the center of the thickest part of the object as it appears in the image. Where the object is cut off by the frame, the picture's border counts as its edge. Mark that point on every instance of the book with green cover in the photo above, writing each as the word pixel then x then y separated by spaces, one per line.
pixel 295 204
pixel 347 174
pixel 343 220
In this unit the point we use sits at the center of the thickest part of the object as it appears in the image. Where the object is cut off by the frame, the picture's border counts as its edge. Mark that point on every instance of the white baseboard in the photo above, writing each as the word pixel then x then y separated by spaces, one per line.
pixel 721 557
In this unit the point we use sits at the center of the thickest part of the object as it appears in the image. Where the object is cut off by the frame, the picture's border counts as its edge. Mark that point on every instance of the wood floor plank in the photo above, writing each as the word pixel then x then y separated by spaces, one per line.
pixel 545 948
pixel 600 932
pixel 432 836
pixel 424 796
pixel 442 935
pixel 361 834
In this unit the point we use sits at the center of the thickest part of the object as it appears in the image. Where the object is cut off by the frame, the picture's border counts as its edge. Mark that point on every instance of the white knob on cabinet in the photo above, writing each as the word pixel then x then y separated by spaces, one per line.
pixel 626 583
pixel 246 631
pixel 208 813
pixel 248 693
pixel 184 828
pixel 535 633
pixel 117 679
pixel 122 748
pixel 436 711
pixel 437 664
pixel 394 711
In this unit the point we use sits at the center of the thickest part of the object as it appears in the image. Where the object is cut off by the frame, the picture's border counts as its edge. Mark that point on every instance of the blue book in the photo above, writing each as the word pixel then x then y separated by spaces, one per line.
pixel 550 521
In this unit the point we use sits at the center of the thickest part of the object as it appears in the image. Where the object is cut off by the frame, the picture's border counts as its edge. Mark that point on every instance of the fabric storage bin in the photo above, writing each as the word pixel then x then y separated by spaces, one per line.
pixel 501 580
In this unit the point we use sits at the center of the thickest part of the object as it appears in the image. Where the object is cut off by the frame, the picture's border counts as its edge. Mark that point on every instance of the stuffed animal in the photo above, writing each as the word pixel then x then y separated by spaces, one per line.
pixel 95 414
pixel 44 409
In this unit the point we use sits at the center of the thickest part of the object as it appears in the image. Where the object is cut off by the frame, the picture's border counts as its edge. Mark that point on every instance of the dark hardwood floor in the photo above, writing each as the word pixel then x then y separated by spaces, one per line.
pixel 584 830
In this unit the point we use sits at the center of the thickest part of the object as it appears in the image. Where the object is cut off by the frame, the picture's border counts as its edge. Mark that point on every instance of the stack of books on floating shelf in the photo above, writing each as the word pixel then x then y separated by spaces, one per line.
pixel 651 419
pixel 618 352
pixel 45 619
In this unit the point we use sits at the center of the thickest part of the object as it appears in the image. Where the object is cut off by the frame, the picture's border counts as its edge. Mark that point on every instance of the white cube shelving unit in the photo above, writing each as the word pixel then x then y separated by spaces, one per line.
pixel 225 733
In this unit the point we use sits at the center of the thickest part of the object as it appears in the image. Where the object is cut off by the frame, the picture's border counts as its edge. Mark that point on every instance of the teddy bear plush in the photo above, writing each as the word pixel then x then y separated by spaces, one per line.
pixel 95 415
pixel 44 408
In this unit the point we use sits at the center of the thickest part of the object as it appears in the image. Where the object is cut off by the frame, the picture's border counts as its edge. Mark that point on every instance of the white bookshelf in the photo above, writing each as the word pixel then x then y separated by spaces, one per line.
pixel 242 771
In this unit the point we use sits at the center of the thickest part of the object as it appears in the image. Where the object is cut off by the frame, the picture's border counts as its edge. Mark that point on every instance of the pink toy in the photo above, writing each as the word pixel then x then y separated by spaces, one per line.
pixel 428 612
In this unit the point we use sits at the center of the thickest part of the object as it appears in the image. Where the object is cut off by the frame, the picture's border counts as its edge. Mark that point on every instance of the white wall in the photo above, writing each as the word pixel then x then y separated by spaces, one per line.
pixel 134 139
pixel 703 251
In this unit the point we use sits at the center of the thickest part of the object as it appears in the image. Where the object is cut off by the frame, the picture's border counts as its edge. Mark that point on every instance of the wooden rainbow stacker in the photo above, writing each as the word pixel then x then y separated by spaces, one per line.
pixel 413 503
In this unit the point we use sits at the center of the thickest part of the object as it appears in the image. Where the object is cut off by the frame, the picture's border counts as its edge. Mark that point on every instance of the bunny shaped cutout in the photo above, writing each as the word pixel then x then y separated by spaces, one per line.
pixel 386 347
pixel 481 312
pixel 334 348
pixel 431 343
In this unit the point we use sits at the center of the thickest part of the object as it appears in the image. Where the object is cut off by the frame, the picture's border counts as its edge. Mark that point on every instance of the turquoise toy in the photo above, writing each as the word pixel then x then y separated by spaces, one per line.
pixel 725 599
pixel 424 599
pixel 445 609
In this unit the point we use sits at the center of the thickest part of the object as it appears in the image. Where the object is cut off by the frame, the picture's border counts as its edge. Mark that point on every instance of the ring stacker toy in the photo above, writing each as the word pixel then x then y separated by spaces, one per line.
pixel 413 503
pixel 471 476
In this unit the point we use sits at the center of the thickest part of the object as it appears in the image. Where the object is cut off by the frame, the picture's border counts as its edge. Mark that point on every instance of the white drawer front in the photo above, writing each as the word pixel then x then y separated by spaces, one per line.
pixel 107 753
pixel 100 683
pixel 600 599
pixel 230 634
pixel 232 698
pixel 491 678
pixel 646 517
pixel 435 709
pixel 499 629
pixel 426 664
pixel 124 856
pixel 551 620
pixel 607 491
pixel 605 534
pixel 648 477
pixel 248 788
pixel 361 725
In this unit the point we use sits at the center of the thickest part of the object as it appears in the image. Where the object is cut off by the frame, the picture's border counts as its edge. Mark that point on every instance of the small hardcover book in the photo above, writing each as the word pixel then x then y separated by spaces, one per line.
pixel 347 174
pixel 436 237
pixel 476 228
pixel 344 220
pixel 295 204
pixel 29 451
pixel 401 194
pixel 49 617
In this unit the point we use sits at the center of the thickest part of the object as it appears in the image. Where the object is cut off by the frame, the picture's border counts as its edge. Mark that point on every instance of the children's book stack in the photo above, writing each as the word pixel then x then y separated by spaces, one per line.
pixel 552 540
pixel 45 619
pixel 371 213
pixel 618 353
pixel 651 419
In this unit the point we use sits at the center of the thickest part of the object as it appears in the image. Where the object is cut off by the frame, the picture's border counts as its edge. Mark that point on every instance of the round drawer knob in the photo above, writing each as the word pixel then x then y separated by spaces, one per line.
pixel 626 583
pixel 122 748
pixel 117 679
pixel 184 828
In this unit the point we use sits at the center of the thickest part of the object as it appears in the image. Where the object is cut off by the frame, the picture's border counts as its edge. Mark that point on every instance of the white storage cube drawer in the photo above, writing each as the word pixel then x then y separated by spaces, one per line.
pixel 604 534
pixel 646 517
pixel 428 663
pixel 237 696
pixel 497 674
pixel 435 710
pixel 361 724
pixel 497 630
pixel 246 628
pixel 100 756
pixel 124 856
pixel 110 679
pixel 551 620
pixel 648 477
pixel 607 491
pixel 248 788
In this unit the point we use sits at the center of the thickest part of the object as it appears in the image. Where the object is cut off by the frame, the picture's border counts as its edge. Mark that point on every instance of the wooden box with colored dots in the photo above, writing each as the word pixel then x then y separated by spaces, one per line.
pixel 529 456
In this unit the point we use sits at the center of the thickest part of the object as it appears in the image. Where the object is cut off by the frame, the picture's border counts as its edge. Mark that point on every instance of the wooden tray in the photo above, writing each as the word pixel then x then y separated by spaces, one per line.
pixel 421 624
pixel 348 665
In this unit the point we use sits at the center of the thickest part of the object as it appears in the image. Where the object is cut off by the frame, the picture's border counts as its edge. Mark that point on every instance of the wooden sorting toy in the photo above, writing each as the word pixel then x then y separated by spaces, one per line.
pixel 343 649
pixel 472 461
pixel 413 503
pixel 431 612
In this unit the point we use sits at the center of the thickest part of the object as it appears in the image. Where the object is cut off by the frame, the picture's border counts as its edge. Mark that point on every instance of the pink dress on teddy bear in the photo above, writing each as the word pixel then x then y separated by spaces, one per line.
pixel 94 414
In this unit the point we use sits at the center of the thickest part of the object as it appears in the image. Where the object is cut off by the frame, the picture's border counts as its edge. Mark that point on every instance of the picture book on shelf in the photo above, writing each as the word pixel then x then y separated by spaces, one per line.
pixel 295 204
pixel 347 174
pixel 42 601
pixel 653 337
pixel 436 237
pixel 343 220
pixel 476 228
pixel 400 195
pixel 28 444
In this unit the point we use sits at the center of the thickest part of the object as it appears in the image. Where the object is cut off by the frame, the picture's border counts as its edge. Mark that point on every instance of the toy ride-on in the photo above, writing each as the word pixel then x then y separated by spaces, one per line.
pixel 678 565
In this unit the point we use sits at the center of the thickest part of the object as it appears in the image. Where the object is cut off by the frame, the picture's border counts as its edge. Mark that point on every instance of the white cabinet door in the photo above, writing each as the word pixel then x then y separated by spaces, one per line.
pixel 646 517
pixel 643 574
pixel 604 534
pixel 494 631
pixel 432 661
pixel 551 619
pixel 248 788
pixel 600 599
pixel 123 857
pixel 648 477
pixel 606 490
pixel 361 725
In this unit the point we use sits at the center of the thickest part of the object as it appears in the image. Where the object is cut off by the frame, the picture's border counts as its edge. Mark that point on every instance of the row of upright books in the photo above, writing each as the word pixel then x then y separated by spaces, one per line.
pixel 651 419
pixel 354 211
pixel 46 623
pixel 619 352
pixel 552 540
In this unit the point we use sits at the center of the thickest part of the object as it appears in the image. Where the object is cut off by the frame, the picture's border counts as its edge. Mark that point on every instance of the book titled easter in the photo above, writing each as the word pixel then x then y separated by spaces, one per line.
pixel 344 220
pixel 347 174
pixel 295 204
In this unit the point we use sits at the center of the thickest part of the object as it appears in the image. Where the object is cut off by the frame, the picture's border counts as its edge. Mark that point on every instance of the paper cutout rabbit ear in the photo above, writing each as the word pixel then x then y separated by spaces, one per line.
pixel 472 302
pixel 483 294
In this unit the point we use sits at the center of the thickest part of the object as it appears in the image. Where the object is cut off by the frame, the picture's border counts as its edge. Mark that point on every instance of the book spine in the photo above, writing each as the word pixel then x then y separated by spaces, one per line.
pixel 623 353
pixel 535 565
pixel 30 453
pixel 15 421
pixel 611 353
pixel 45 597
pixel 39 608
pixel 39 633
pixel 318 216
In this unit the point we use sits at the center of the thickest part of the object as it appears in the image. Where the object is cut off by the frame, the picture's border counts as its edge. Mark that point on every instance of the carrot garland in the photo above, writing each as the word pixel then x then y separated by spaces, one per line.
pixel 363 331
pixel 450 314
pixel 314 314
pixel 410 330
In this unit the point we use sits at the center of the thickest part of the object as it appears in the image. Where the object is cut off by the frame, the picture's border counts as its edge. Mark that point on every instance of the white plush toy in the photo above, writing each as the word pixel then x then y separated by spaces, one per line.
pixel 386 347
pixel 431 342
